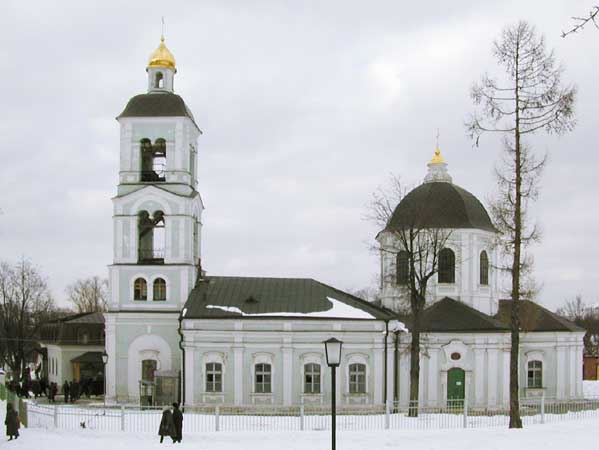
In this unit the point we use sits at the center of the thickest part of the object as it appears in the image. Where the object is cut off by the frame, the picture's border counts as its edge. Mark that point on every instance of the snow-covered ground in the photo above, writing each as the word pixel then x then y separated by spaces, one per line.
pixel 565 435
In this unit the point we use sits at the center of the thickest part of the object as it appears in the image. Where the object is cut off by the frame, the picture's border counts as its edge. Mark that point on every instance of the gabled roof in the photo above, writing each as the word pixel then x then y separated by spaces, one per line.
pixel 259 298
pixel 533 317
pixel 449 315
pixel 71 329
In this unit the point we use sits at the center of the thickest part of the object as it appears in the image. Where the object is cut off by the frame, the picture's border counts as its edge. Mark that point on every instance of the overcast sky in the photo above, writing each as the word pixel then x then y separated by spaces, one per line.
pixel 306 107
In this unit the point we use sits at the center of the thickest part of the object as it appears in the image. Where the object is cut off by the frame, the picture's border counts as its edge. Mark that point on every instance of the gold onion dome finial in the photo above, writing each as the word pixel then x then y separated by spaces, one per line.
pixel 162 57
pixel 437 159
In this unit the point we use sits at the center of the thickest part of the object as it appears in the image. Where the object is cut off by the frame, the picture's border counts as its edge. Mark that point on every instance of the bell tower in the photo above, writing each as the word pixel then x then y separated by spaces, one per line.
pixel 157 224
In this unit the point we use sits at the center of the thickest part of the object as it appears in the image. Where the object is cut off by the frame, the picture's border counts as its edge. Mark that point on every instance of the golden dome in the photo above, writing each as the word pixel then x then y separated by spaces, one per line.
pixel 437 159
pixel 162 57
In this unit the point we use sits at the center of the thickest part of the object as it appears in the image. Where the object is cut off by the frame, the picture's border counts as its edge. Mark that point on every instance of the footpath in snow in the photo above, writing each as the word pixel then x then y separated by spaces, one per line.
pixel 566 435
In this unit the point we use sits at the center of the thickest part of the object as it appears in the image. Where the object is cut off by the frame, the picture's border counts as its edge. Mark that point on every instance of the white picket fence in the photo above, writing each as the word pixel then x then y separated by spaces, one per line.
pixel 210 418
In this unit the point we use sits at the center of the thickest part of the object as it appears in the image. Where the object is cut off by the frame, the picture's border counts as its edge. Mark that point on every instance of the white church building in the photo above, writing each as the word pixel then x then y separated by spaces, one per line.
pixel 171 329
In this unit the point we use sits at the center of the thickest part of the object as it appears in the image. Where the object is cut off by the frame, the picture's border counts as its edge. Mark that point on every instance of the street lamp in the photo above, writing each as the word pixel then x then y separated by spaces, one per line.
pixel 332 349
pixel 104 361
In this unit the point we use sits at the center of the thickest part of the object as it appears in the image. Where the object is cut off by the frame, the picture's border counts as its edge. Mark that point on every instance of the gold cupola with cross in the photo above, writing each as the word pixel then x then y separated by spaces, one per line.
pixel 161 69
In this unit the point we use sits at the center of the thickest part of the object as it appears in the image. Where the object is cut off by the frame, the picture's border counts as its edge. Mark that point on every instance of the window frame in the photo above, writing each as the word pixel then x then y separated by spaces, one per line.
pixel 142 290
pixel 214 386
pixel 402 268
pixel 446 275
pixel 534 374
pixel 357 378
pixel 158 289
pixel 314 386
pixel 483 266
pixel 260 371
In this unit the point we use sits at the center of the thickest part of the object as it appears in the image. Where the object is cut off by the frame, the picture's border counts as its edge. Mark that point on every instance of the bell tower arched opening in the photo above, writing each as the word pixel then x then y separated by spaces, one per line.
pixel 153 160
pixel 152 237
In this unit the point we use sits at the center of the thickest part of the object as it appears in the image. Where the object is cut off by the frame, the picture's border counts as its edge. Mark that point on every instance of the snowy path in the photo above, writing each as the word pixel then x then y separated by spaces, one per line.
pixel 567 435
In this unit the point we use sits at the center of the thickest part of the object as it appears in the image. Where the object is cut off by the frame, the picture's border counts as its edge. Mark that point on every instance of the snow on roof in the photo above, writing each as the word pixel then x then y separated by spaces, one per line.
pixel 338 310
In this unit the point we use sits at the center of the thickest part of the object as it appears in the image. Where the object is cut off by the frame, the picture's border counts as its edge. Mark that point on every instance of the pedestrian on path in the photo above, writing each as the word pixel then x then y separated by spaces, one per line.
pixel 167 427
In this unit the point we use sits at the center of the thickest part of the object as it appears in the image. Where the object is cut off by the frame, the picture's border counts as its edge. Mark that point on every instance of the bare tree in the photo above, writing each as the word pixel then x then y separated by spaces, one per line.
pixel 580 22
pixel 529 98
pixel 585 316
pixel 575 310
pixel 421 246
pixel 25 305
pixel 89 294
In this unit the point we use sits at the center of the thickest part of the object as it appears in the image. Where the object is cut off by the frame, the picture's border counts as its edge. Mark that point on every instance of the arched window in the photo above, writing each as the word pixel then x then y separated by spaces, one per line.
pixel 446 266
pixel 214 377
pixel 140 289
pixel 484 268
pixel 153 160
pixel 159 289
pixel 535 374
pixel 402 267
pixel 312 378
pixel 357 378
pixel 159 80
pixel 151 237
pixel 263 379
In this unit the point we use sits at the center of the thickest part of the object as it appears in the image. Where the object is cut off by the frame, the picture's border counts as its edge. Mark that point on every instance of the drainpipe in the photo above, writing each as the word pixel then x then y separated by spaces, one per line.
pixel 182 387
pixel 396 369
pixel 385 362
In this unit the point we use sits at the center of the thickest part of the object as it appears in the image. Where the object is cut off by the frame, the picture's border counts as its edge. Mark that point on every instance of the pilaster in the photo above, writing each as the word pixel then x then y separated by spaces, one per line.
pixel 238 374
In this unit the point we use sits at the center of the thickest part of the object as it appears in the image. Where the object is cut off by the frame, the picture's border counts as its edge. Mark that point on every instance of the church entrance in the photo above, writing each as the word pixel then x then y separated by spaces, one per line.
pixel 456 387
pixel 146 384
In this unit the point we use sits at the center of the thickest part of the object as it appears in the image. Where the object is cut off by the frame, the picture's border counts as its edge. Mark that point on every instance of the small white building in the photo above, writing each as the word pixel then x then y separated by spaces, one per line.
pixel 74 346
pixel 240 340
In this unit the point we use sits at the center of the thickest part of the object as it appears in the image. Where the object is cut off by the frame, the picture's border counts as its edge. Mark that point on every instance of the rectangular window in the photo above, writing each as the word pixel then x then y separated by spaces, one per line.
pixel 357 379
pixel 312 378
pixel 535 374
pixel 263 381
pixel 214 377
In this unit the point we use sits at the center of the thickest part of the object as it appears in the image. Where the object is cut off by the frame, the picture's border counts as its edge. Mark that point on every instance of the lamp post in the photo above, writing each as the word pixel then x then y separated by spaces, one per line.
pixel 104 361
pixel 332 349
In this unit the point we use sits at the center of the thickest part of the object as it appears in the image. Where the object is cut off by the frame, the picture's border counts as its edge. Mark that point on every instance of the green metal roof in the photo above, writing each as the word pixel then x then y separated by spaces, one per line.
pixel 440 205
pixel 533 317
pixel 259 298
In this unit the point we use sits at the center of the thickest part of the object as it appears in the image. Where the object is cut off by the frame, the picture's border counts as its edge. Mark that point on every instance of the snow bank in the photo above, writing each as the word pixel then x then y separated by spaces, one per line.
pixel 566 435
pixel 338 310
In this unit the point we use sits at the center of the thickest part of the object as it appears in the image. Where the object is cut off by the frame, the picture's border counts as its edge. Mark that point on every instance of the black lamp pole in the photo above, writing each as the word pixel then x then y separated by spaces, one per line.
pixel 104 361
pixel 333 352
pixel 333 407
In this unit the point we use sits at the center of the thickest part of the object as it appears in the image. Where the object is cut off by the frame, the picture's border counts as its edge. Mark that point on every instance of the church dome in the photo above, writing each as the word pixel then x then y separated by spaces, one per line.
pixel 438 203
pixel 162 57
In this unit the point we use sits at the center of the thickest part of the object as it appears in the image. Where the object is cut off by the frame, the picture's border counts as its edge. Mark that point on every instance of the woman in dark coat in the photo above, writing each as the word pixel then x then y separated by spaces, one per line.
pixel 178 421
pixel 167 426
pixel 11 422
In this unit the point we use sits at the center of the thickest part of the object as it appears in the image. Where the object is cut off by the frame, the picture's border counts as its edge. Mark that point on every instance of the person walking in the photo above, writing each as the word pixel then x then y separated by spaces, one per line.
pixel 74 391
pixel 52 390
pixel 11 422
pixel 167 427
pixel 178 422
pixel 65 390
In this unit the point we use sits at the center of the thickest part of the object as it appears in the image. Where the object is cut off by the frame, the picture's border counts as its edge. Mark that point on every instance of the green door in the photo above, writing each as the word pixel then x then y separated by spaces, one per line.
pixel 456 384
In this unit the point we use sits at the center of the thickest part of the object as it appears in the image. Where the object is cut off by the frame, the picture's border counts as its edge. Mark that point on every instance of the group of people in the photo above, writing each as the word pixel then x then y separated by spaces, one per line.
pixel 171 424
